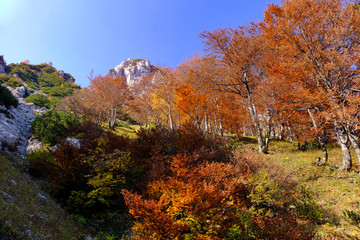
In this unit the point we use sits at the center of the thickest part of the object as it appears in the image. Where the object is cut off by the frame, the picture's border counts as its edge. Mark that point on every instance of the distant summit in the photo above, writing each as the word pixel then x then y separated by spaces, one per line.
pixel 132 70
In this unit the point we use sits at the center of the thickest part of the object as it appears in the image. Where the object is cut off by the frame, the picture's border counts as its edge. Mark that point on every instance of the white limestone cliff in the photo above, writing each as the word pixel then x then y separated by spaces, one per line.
pixel 131 70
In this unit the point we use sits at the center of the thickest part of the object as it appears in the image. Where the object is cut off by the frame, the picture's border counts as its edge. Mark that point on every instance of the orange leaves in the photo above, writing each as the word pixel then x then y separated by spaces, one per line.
pixel 104 98
pixel 155 223
pixel 197 198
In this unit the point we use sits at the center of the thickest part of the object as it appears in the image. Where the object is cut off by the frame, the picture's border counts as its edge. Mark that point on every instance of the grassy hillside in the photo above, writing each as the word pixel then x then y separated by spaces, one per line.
pixel 42 77
pixel 28 213
pixel 333 191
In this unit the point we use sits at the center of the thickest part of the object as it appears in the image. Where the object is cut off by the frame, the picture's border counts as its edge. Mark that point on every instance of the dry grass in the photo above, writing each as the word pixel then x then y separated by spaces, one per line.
pixel 333 191
pixel 28 213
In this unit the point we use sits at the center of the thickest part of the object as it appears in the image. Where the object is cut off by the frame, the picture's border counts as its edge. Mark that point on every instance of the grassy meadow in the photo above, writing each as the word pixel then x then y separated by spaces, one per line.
pixel 332 190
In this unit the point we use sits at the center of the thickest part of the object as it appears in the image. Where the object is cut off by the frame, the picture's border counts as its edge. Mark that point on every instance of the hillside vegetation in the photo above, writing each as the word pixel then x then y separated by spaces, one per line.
pixel 256 139
pixel 44 77
pixel 26 211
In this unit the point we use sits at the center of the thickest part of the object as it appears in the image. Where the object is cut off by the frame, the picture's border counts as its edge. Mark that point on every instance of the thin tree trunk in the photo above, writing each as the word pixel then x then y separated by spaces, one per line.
pixel 321 141
pixel 170 117
pixel 263 147
pixel 343 142
pixel 354 139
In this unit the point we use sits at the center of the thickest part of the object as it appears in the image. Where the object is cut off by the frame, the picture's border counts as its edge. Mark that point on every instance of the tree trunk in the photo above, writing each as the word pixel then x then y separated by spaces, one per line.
pixel 343 142
pixel 354 139
pixel 320 139
pixel 111 118
pixel 263 145
pixel 170 117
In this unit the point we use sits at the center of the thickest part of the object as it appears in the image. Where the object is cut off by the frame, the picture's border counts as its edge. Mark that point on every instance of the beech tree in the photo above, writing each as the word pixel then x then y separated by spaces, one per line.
pixel 318 51
pixel 105 97
pixel 164 89
pixel 196 99
pixel 241 51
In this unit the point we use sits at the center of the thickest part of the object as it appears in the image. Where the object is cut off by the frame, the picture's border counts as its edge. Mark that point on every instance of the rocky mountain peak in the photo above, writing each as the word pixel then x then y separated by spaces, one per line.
pixel 131 70
pixel 2 64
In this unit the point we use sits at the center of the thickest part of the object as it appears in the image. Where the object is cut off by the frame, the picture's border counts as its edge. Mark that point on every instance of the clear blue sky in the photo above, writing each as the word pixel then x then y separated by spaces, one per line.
pixel 81 35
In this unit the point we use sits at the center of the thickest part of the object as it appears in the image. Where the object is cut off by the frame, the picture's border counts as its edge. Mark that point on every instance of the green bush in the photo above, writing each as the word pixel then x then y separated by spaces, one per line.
pixel 9 80
pixel 23 71
pixel 47 68
pixel 39 99
pixel 6 98
pixel 313 144
pixel 39 163
pixel 53 126
pixel 58 91
pixel 50 80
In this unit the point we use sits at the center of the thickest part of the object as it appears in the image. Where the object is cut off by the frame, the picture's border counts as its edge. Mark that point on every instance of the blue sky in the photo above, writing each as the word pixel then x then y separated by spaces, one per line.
pixel 83 35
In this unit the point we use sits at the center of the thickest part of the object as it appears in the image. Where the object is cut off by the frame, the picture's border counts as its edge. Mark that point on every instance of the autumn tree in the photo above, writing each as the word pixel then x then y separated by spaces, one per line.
pixel 196 100
pixel 241 51
pixel 105 97
pixel 154 96
pixel 164 90
pixel 316 49
pixel 145 105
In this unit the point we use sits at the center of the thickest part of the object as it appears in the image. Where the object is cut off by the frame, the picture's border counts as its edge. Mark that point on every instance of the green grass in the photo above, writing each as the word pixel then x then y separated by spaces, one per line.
pixel 26 212
pixel 333 191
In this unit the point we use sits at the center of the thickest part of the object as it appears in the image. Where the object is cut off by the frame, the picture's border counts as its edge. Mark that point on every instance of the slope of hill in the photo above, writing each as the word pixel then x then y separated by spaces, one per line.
pixel 33 86
pixel 28 213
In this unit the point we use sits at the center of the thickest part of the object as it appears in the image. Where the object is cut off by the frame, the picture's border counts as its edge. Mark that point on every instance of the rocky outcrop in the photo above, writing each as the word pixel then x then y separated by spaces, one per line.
pixel 131 70
pixel 2 64
pixel 66 76
pixel 15 123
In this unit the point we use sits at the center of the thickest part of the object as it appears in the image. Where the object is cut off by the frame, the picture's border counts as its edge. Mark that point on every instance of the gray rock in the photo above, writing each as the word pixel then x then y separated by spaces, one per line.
pixel 16 129
pixel 2 64
pixel 20 92
pixel 66 76
pixel 131 70
pixel 74 142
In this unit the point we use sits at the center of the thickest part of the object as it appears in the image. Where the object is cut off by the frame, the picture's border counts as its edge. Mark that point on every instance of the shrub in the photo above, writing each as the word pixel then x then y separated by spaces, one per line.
pixel 39 99
pixel 58 91
pixel 47 68
pixel 50 80
pixel 193 200
pixel 70 173
pixel 53 126
pixel 209 200
pixel 9 80
pixel 23 71
pixel 105 179
pixel 40 163
pixel 6 98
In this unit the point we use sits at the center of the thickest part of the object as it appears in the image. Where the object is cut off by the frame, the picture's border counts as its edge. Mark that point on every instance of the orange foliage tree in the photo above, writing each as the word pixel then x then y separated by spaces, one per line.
pixel 105 97
pixel 242 53
pixel 316 56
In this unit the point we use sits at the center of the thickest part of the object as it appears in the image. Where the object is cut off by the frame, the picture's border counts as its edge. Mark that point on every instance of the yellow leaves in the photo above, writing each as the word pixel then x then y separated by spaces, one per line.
pixel 264 190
